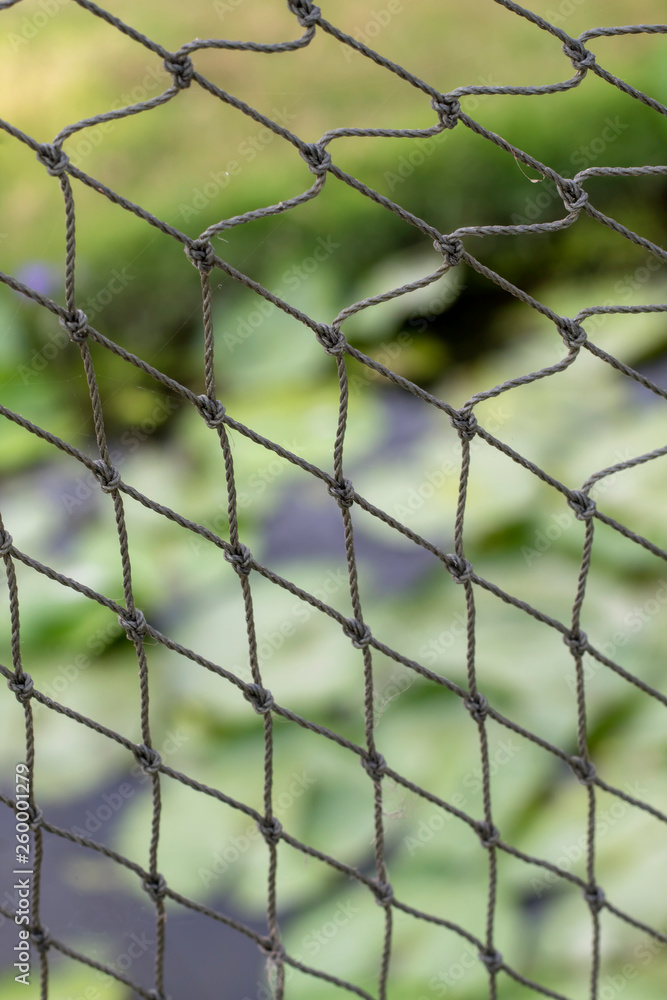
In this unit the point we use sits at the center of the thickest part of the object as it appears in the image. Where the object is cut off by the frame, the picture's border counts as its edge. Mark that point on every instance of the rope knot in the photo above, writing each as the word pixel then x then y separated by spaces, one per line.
pixel 374 764
pixel 573 333
pixel 451 249
pixel 582 505
pixel 574 197
pixel 448 109
pixel 270 829
pixel 577 641
pixel 76 325
pixel 488 834
pixel 134 623
pixel 201 254
pixel 211 410
pixel 317 157
pixel 595 897
pixel 358 632
pixel 465 423
pixel 273 951
pixel 107 476
pixel 477 705
pixel 332 339
pixel 583 769
pixel 461 570
pixel 36 817
pixel 344 494
pixel 493 960
pixel 21 686
pixel 155 886
pixel 180 66
pixel 41 938
pixel 580 57
pixel 148 759
pixel 307 14
pixel 6 542
pixel 240 557
pixel 54 159
pixel 383 892
pixel 260 698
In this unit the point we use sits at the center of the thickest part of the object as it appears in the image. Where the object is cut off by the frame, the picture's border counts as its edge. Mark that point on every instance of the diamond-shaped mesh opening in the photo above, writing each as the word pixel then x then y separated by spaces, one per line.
pixel 478 710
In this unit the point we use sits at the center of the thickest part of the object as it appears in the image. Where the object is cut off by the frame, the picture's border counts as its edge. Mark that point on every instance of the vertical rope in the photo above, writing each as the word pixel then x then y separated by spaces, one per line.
pixel 446 111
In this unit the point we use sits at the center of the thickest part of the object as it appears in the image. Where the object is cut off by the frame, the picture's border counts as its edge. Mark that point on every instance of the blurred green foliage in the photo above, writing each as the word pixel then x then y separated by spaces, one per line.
pixel 193 162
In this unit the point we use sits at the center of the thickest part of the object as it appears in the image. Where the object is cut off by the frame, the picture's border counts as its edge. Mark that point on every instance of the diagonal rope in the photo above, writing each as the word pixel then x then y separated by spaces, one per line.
pixel 451 252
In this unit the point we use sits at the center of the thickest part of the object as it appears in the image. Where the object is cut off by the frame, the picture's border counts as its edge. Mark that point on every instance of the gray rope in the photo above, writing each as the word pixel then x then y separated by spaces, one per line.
pixel 445 110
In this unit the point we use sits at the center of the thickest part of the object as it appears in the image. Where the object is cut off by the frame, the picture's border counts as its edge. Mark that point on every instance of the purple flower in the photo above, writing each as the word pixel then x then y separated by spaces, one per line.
pixel 41 277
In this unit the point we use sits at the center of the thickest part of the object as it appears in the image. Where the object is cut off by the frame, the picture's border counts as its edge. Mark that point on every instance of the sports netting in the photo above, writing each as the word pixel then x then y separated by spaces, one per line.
pixel 455 250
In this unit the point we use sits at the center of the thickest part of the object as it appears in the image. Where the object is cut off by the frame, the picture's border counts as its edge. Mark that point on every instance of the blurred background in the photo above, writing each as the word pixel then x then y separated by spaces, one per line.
pixel 193 162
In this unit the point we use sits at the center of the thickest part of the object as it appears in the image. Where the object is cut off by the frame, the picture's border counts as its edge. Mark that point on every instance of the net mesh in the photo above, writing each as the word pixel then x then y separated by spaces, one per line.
pixel 453 248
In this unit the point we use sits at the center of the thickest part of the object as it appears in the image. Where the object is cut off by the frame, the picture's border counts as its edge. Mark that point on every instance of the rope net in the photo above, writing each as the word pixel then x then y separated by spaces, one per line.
pixel 455 250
